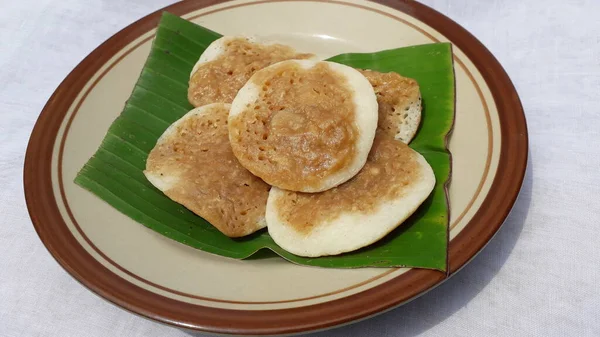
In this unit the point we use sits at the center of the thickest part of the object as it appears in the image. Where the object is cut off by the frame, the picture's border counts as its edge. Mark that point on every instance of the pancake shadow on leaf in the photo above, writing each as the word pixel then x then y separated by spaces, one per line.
pixel 251 237
pixel 423 114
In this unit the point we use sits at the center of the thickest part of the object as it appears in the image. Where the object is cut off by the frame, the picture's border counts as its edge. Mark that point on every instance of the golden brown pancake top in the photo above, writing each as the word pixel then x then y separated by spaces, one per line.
pixel 211 181
pixel 300 130
pixel 219 80
pixel 390 168
pixel 395 94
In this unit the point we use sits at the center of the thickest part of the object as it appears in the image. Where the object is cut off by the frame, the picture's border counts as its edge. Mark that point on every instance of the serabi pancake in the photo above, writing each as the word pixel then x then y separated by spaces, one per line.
pixel 228 63
pixel 192 164
pixel 399 100
pixel 304 125
pixel 391 186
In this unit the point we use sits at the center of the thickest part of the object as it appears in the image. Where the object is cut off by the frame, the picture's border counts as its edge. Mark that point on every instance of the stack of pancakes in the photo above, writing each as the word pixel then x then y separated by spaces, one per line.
pixel 314 150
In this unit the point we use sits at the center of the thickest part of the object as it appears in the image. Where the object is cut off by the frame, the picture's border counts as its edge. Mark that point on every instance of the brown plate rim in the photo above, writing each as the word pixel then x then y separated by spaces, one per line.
pixel 59 241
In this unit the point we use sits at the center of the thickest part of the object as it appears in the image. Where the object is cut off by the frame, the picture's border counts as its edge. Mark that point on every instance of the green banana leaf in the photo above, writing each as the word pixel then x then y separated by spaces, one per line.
pixel 159 98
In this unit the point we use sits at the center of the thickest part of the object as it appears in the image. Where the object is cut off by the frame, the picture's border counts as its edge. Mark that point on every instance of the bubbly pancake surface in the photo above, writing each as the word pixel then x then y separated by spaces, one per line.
pixel 390 187
pixel 297 125
pixel 219 79
pixel 399 101
pixel 391 166
pixel 192 163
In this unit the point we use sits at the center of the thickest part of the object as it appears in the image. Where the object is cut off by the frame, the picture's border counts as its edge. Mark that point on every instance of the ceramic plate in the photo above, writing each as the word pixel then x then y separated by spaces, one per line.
pixel 153 276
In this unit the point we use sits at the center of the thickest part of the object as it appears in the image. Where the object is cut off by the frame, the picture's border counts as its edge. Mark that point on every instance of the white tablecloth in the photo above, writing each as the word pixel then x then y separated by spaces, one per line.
pixel 538 277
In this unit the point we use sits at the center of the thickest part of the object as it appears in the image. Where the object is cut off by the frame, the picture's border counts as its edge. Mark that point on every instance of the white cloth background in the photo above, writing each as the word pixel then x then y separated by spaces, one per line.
pixel 538 277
